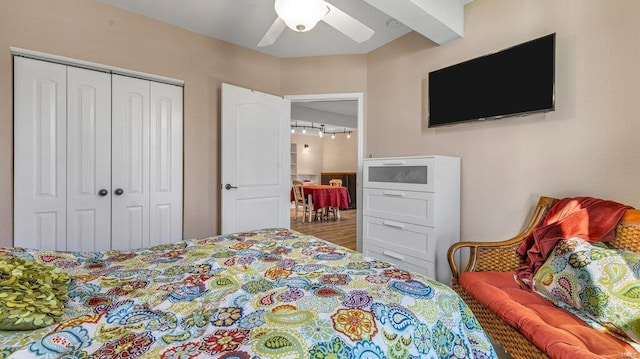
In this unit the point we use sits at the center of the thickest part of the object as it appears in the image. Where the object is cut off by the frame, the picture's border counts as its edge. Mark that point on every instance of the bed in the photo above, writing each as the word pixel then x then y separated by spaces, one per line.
pixel 271 293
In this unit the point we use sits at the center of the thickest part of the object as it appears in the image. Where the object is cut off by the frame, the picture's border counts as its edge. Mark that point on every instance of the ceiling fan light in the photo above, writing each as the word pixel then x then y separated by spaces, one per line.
pixel 301 15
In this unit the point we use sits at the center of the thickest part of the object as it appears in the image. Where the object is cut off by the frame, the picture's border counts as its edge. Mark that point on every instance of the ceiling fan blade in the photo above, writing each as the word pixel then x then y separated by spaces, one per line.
pixel 273 33
pixel 347 25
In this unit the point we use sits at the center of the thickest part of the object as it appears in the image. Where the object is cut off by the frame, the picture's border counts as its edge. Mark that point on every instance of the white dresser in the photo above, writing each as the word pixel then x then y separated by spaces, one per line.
pixel 411 212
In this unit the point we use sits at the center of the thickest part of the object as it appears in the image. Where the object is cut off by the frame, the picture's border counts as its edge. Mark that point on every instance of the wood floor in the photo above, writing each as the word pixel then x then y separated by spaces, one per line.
pixel 341 231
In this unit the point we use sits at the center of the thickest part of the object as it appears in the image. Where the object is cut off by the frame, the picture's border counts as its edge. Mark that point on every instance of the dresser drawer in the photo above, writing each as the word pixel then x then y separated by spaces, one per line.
pixel 409 263
pixel 399 205
pixel 403 238
pixel 415 174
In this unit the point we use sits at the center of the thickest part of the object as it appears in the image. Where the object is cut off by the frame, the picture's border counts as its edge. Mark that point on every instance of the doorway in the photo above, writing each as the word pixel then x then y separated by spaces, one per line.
pixel 309 101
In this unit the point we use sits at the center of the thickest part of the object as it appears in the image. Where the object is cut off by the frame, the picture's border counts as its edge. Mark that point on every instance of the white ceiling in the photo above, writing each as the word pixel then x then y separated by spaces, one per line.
pixel 334 115
pixel 244 22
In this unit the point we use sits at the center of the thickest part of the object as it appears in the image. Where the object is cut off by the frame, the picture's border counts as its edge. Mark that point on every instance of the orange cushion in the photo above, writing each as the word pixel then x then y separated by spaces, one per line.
pixel 557 332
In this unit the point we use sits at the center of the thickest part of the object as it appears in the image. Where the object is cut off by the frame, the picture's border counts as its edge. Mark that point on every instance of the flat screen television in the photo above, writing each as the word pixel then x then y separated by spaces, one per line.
pixel 518 80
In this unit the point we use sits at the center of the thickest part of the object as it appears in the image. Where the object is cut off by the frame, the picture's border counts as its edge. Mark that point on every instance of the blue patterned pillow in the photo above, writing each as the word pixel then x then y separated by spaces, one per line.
pixel 598 284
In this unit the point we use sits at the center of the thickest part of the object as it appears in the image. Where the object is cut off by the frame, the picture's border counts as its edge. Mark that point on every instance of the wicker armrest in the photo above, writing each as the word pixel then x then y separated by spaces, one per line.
pixel 497 256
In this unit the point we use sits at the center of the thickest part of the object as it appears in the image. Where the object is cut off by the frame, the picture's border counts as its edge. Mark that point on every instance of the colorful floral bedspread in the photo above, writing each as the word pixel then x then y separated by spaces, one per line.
pixel 272 293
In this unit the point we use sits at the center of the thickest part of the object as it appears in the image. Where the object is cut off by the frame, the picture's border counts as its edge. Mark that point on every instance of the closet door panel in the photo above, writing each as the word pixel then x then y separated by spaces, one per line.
pixel 130 163
pixel 88 160
pixel 165 164
pixel 39 154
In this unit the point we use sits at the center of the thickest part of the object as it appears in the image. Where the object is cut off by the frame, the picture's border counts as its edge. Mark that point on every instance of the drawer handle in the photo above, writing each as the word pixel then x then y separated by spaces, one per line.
pixel 394 193
pixel 393 163
pixel 393 224
pixel 393 255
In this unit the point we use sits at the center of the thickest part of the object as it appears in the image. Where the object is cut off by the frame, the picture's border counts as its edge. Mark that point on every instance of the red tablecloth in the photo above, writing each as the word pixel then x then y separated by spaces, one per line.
pixel 325 196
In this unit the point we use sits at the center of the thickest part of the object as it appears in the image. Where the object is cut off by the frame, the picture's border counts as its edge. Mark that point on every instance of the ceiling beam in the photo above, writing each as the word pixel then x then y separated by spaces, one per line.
pixel 441 21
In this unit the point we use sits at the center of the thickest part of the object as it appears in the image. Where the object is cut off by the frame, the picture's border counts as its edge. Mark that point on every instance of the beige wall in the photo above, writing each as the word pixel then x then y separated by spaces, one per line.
pixel 587 146
pixel 340 154
pixel 310 159
pixel 324 74
pixel 91 31
pixel 325 154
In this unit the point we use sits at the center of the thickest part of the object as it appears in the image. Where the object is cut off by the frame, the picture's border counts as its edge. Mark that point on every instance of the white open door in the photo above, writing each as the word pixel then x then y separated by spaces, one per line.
pixel 255 160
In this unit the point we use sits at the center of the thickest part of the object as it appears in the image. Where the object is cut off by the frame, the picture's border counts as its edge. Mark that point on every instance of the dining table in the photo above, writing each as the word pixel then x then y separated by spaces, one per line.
pixel 323 196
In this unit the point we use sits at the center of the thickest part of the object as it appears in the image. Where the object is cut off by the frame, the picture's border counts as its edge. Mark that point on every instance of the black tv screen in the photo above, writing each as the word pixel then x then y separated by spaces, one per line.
pixel 517 80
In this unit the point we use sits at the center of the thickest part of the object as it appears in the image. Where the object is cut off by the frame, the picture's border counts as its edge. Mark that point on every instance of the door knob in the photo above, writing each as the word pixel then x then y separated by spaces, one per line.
pixel 103 192
pixel 118 191
pixel 228 186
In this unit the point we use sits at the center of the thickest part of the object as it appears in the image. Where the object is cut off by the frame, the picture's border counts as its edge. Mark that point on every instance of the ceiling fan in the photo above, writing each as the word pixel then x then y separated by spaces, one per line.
pixel 303 15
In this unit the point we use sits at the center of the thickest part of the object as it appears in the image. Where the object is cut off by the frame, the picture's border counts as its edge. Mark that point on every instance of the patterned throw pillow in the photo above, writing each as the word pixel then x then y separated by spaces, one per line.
pixel 598 284
pixel 32 295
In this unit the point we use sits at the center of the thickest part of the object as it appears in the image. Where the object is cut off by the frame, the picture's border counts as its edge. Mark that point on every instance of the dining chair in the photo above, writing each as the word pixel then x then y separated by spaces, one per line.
pixel 334 210
pixel 300 201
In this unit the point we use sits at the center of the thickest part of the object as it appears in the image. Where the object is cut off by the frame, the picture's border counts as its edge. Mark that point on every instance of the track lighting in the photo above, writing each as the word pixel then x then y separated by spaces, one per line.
pixel 321 130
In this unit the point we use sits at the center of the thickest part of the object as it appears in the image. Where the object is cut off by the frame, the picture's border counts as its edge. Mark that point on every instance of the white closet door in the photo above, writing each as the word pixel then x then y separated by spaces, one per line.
pixel 165 164
pixel 39 154
pixel 88 160
pixel 130 163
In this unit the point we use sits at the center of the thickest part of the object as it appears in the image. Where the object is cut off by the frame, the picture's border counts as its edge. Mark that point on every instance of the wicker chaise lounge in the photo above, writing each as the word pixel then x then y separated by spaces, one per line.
pixel 531 326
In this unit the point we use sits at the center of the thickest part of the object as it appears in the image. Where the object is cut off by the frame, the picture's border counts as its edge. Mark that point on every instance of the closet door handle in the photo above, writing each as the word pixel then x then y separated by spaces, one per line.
pixel 103 192
pixel 118 191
